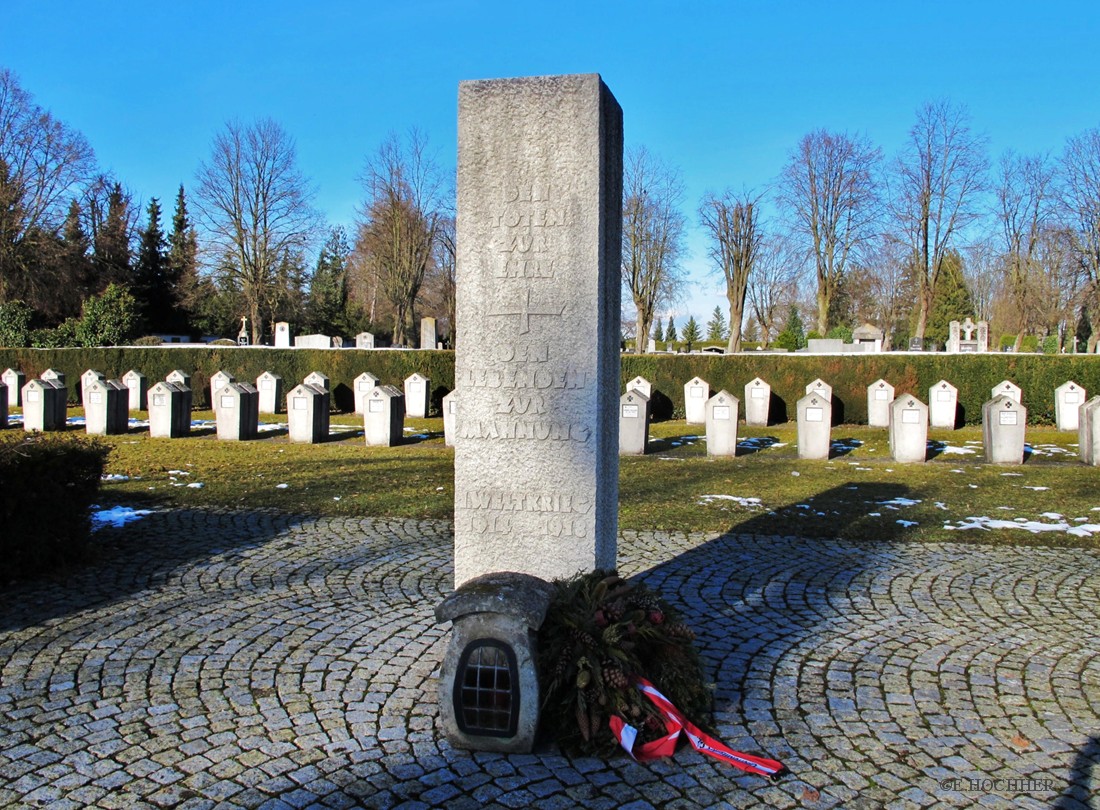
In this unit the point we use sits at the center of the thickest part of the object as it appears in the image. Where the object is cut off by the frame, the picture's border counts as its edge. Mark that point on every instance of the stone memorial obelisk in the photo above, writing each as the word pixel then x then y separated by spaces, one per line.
pixel 537 366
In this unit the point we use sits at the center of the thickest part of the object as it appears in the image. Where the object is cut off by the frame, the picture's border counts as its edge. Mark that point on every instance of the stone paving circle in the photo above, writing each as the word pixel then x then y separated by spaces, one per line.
pixel 212 659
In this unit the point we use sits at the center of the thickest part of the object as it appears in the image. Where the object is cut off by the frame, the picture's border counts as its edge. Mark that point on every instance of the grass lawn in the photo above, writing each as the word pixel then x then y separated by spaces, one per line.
pixel 858 494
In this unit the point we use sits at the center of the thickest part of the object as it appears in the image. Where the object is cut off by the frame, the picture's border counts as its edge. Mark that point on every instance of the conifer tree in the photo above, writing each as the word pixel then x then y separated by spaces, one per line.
pixel 75 265
pixel 328 290
pixel 181 264
pixel 670 331
pixel 153 289
pixel 111 256
pixel 658 332
pixel 716 327
pixel 692 335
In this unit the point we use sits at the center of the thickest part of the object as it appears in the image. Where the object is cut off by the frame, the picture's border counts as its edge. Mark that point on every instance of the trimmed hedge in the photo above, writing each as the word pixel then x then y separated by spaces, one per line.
pixel 341 366
pixel 788 374
pixel 48 483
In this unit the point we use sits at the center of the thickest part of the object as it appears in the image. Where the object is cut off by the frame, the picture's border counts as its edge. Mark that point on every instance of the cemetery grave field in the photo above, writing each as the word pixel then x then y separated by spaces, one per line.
pixel 859 493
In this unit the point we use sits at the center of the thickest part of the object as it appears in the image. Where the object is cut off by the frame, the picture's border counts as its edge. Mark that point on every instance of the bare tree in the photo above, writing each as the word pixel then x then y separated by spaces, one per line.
pixel 772 284
pixel 940 176
pixel 653 235
pixel 256 207
pixel 399 225
pixel 1080 201
pixel 829 187
pixel 984 278
pixel 43 163
pixel 1023 203
pixel 732 223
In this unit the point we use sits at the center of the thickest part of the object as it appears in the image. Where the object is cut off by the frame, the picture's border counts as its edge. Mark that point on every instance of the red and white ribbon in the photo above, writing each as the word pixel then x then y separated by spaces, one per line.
pixel 675 722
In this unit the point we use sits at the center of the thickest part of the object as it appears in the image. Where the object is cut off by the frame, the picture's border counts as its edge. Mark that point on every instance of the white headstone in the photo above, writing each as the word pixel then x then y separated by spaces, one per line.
pixel 696 394
pixel 815 419
pixel 1068 399
pixel 417 396
pixel 317 379
pixel 282 335
pixel 720 416
pixel 427 333
pixel 39 405
pixel 218 380
pixel 821 388
pixel 539 277
pixel 1004 422
pixel 1007 388
pixel 384 420
pixel 651 346
pixel 312 342
pixel 14 380
pixel 943 405
pixel 908 429
pixel 363 385
pixel 879 396
pixel 53 374
pixel 101 408
pixel 270 386
pixel 138 387
pixel 179 378
pixel 87 378
pixel 450 418
pixel 641 384
pixel 758 397
pixel 236 411
pixel 1088 431
pixel 169 411
pixel 633 423
pixel 307 414
pixel 364 340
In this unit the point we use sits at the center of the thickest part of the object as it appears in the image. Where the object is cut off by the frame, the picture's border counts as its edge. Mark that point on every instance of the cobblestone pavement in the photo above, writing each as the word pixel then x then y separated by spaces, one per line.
pixel 259 660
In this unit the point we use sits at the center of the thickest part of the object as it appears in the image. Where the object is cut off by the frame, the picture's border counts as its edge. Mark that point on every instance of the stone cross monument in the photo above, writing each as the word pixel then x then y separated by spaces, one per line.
pixel 539 226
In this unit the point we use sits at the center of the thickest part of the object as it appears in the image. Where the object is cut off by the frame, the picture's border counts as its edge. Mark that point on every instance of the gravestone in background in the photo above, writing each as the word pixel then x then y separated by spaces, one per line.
pixel 908 429
pixel 879 396
pixel 1088 431
pixel 270 386
pixel 418 392
pixel 821 388
pixel 758 399
pixel 317 379
pixel 537 365
pixel 943 405
pixel 384 420
pixel 450 415
pixel 720 416
pixel 14 380
pixel 282 335
pixel 218 380
pixel 1009 389
pixel 1068 398
pixel 87 378
pixel 363 385
pixel 427 333
pixel 179 377
pixel 696 394
pixel 312 342
pixel 137 385
pixel 815 419
pixel 633 423
pixel 364 340
pixel 641 384
pixel 1004 422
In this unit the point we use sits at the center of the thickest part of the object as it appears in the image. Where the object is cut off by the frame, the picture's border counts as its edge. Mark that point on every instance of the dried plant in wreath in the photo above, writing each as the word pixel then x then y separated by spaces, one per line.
pixel 601 633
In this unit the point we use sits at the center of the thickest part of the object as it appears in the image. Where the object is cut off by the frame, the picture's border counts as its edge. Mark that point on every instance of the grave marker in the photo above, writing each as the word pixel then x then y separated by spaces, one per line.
pixel 641 384
pixel 3 405
pixel 1009 389
pixel 427 333
pixel 363 384
pixel 364 340
pixel 815 419
pixel 721 421
pixel 282 335
pixel 1004 421
pixel 696 394
pixel 908 429
pixel 418 392
pixel 39 405
pixel 307 414
pixel 384 420
pixel 218 380
pixel 821 388
pixel 137 386
pixel 1068 398
pixel 758 398
pixel 943 405
pixel 236 411
pixel 450 416
pixel 169 411
pixel 879 396
pixel 101 408
pixel 14 380
pixel 270 386
pixel 1088 431
pixel 633 423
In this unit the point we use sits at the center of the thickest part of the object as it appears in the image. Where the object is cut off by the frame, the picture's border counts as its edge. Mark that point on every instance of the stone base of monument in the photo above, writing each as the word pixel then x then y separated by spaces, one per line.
pixel 488 688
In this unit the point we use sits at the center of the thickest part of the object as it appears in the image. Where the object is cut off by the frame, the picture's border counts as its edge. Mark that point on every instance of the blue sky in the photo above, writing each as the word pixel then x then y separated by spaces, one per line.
pixel 721 89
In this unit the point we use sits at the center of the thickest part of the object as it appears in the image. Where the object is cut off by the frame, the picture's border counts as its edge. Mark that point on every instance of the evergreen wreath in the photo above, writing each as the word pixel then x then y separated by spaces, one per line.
pixel 600 634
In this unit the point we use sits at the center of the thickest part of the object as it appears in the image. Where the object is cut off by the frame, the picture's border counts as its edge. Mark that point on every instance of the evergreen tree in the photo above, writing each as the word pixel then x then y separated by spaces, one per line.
pixel 182 266
pixel 670 331
pixel 793 336
pixel 153 289
pixel 716 327
pixel 108 319
pixel 951 300
pixel 692 335
pixel 328 290
pixel 74 263
pixel 112 243
pixel 658 332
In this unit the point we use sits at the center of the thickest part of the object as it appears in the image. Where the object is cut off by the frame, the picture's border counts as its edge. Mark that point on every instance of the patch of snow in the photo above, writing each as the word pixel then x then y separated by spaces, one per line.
pixel 905 524
pixel 178 472
pixel 1037 489
pixel 874 514
pixel 1033 526
pixel 117 516
pixel 114 477
pixel 749 502
pixel 196 485
pixel 795 473
pixel 941 505
pixel 1020 475
pixel 281 486
pixel 896 502
pixel 959 451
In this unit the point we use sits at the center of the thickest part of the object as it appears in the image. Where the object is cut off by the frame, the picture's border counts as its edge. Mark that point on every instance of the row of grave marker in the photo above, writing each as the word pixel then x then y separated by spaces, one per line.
pixel 1004 418
pixel 943 400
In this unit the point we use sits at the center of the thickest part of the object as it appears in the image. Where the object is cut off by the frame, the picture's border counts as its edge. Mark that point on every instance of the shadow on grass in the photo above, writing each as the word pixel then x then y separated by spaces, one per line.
pixel 750 445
